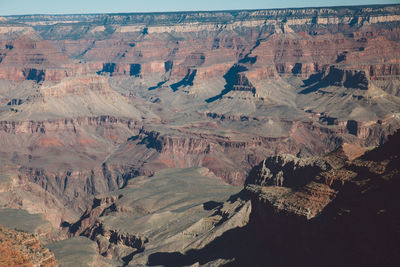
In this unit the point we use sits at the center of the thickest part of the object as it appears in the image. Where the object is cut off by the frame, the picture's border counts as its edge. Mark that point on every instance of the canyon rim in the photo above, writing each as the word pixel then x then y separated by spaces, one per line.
pixel 206 138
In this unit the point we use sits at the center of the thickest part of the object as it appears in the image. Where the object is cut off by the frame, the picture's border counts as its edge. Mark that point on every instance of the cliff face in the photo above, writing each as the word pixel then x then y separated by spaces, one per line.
pixel 72 180
pixel 175 209
pixel 274 42
pixel 88 102
pixel 326 210
pixel 348 210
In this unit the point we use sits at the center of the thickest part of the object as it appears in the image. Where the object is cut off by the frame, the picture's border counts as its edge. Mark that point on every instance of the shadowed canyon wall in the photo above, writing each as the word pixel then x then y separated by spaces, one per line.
pixel 88 102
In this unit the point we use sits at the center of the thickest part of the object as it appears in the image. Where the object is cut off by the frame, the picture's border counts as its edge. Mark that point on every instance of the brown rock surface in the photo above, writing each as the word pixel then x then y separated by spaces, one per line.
pixel 89 102
pixel 274 82
pixel 349 211
pixel 175 209
pixel 22 249
pixel 361 196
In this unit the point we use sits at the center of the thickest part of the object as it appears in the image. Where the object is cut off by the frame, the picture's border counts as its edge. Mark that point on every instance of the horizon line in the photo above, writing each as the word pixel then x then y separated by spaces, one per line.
pixel 191 11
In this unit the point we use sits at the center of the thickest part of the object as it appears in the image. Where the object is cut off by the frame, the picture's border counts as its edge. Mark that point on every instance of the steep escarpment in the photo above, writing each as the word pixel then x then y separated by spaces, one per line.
pixel 340 207
pixel 343 77
pixel 173 209
pixel 359 196
pixel 89 103
pixel 153 150
pixel 186 147
pixel 286 76
pixel 74 179
pixel 29 57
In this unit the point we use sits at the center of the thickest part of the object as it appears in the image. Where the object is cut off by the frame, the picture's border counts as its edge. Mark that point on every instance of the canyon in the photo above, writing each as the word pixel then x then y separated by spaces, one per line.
pixel 156 138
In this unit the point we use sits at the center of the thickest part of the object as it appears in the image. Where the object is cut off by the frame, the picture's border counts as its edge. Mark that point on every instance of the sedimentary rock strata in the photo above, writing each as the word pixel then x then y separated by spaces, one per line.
pixel 347 208
pixel 88 103
pixel 329 205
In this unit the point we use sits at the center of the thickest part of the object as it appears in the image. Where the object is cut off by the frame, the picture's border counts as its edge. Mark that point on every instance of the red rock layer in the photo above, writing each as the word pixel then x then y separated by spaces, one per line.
pixel 23 249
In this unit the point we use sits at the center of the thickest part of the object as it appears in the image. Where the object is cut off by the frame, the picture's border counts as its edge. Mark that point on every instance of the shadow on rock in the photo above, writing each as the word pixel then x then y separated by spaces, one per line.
pixel 237 246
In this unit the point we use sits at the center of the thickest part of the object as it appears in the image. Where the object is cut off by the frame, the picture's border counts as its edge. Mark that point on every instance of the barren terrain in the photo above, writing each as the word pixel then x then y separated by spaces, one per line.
pixel 132 135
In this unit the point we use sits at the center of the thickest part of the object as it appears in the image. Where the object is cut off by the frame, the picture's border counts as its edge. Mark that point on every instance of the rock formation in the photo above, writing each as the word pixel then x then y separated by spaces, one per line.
pixel 347 209
pixel 174 209
pixel 89 103
pixel 272 80
pixel 22 249
pixel 335 212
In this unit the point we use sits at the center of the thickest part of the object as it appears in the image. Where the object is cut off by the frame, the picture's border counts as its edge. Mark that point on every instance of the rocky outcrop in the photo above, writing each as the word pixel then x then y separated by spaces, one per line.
pixel 31 58
pixel 92 213
pixel 22 249
pixel 19 194
pixel 346 78
pixel 107 239
pixel 66 127
pixel 15 127
pixel 225 90
pixel 155 150
pixel 73 187
pixel 34 74
pixel 107 68
pixel 159 217
pixel 332 214
pixel 186 81
pixel 341 205
pixel 287 171
pixel 235 80
pixel 288 184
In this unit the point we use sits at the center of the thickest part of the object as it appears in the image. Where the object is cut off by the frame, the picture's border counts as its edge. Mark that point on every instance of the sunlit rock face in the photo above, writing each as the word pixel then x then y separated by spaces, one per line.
pixel 90 102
